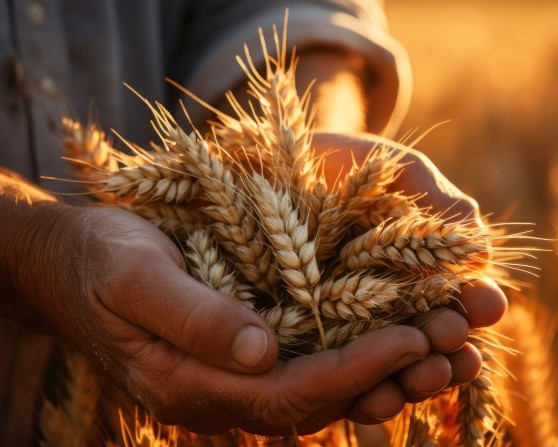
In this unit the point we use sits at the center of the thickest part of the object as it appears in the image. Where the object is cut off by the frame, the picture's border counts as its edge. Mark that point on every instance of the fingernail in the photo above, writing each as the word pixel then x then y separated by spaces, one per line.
pixel 249 346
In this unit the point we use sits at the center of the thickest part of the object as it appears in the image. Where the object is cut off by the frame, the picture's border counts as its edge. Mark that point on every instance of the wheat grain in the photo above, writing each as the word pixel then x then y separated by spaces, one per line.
pixel 358 296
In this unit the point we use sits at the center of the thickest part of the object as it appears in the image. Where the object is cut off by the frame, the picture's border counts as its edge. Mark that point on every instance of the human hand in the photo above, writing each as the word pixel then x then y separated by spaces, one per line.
pixel 481 303
pixel 115 286
pixel 112 284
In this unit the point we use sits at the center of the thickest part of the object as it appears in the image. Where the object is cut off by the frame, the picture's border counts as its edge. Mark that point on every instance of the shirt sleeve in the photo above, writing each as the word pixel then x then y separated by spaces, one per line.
pixel 356 26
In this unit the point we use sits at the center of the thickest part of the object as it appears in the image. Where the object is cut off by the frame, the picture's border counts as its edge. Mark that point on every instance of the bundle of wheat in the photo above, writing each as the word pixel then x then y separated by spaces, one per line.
pixel 251 210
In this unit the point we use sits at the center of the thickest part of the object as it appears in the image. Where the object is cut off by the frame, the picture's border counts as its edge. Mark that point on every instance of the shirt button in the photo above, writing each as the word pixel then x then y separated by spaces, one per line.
pixel 36 14
pixel 48 85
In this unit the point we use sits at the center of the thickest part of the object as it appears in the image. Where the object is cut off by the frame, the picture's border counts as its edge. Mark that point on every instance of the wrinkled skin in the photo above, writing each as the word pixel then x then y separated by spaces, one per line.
pixel 116 287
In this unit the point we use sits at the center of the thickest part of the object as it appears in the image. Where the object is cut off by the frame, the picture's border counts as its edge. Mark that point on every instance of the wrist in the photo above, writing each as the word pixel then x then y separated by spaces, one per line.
pixel 338 91
pixel 31 239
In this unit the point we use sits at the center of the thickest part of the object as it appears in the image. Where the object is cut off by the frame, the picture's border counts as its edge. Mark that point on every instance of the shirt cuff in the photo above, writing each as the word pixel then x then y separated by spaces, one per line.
pixel 309 25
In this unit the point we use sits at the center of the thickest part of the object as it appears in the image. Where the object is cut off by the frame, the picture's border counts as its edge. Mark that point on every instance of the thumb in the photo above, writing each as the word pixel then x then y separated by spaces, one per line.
pixel 204 323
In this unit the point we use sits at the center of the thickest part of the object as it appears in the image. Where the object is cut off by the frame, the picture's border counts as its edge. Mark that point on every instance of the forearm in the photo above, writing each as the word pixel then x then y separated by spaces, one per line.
pixel 338 91
pixel 347 93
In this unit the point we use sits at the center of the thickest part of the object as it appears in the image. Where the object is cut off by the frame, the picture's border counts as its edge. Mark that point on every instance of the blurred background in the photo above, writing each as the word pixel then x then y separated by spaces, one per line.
pixel 491 67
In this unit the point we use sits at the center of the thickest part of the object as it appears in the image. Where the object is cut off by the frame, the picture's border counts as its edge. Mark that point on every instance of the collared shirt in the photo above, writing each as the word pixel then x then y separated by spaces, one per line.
pixel 71 57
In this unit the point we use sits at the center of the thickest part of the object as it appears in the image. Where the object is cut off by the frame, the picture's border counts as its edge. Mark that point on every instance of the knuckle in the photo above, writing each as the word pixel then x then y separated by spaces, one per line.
pixel 198 326
pixel 407 338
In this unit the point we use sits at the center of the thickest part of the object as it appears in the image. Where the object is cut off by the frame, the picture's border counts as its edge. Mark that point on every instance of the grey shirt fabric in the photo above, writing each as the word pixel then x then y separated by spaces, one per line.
pixel 71 57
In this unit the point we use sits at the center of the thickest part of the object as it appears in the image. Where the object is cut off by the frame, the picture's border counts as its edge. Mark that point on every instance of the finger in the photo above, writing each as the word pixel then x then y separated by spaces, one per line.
pixel 446 329
pixel 421 176
pixel 382 403
pixel 303 388
pixel 294 390
pixel 353 369
pixel 466 364
pixel 482 302
pixel 425 378
pixel 200 321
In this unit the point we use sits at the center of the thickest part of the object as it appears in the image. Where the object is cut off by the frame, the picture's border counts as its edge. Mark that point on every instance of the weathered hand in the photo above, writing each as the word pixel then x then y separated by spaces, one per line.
pixel 112 284
pixel 482 303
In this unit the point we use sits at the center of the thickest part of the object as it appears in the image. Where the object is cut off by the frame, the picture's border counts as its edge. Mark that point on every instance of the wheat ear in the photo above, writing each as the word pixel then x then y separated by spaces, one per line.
pixel 72 422
pixel 288 237
pixel 369 180
pixel 532 395
pixel 416 244
pixel 206 264
pixel 278 131
pixel 325 220
pixel 88 148
pixel 160 180
pixel 235 228
pixel 482 419
pixel 426 293
pixel 292 324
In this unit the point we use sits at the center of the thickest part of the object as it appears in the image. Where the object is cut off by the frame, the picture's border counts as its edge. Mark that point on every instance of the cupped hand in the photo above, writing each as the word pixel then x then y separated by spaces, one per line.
pixel 481 303
pixel 116 287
